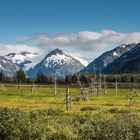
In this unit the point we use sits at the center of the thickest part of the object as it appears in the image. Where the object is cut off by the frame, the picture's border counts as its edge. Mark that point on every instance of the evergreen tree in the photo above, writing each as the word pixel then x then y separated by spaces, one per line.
pixel 2 77
pixel 20 76
pixel 41 78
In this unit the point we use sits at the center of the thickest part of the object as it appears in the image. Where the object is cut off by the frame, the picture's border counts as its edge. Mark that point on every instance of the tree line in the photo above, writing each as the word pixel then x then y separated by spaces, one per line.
pixel 20 76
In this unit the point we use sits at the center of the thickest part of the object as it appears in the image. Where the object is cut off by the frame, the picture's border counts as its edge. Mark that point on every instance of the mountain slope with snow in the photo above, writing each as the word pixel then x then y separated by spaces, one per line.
pixel 7 67
pixel 82 61
pixel 24 59
pixel 127 63
pixel 56 62
pixel 105 59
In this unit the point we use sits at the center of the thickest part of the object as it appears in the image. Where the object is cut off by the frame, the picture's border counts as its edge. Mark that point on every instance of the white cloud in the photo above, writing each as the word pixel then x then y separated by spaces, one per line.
pixel 84 44
pixel 7 48
pixel 86 40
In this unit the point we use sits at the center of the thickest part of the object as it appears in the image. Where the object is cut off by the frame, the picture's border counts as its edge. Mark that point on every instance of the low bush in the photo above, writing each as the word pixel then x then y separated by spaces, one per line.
pixel 54 124
pixel 89 108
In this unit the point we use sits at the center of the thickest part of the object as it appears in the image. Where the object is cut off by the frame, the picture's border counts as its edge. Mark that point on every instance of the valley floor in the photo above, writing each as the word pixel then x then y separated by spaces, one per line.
pixel 42 115
pixel 44 98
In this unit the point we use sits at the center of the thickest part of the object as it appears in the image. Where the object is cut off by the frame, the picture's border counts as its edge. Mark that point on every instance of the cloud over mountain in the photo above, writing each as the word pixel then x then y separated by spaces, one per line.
pixel 86 40
pixel 84 43
pixel 17 48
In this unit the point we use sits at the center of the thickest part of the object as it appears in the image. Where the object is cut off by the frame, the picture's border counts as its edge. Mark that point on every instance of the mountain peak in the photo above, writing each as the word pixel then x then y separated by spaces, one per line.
pixel 56 57
pixel 58 61
pixel 24 53
pixel 55 52
pixel 58 50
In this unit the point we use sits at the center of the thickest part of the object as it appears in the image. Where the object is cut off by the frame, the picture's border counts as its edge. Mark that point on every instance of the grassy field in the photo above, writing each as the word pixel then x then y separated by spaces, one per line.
pixel 42 115
pixel 44 98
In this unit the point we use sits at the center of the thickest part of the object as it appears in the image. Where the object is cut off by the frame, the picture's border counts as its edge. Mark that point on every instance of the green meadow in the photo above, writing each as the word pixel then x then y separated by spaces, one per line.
pixel 42 115
pixel 43 97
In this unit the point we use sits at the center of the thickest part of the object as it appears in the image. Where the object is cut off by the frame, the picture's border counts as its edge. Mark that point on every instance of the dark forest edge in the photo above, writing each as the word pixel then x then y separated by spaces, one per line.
pixel 20 77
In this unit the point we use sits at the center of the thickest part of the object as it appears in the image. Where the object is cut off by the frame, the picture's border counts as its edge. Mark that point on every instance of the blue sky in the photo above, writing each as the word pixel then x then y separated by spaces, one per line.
pixel 23 17
pixel 20 18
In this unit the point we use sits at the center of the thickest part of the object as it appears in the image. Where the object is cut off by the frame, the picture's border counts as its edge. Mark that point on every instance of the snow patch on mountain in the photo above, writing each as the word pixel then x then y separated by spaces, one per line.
pixel 1 66
pixel 23 60
pixel 4 61
pixel 58 59
pixel 19 57
pixel 106 58
pixel 7 67
pixel 123 45
pixel 56 62
pixel 82 61
pixel 115 54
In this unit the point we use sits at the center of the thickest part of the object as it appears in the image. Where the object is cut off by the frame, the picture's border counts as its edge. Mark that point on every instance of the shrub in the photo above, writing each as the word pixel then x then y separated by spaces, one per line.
pixel 89 108
pixel 120 127
pixel 13 124
pixel 51 124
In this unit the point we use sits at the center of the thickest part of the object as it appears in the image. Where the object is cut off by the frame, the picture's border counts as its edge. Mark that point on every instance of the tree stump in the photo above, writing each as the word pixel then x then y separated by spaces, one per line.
pixel 68 101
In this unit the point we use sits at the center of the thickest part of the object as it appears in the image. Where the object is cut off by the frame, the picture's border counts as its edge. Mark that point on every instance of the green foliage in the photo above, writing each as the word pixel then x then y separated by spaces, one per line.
pixel 119 127
pixel 53 124
pixel 14 124
pixel 114 110
pixel 89 108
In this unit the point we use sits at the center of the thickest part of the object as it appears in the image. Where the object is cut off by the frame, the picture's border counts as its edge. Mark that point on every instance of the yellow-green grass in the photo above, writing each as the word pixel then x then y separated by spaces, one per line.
pixel 44 98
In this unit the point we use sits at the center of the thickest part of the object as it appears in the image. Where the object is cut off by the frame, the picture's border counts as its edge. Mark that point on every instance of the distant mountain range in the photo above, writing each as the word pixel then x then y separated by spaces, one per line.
pixel 100 63
pixel 56 62
pixel 122 59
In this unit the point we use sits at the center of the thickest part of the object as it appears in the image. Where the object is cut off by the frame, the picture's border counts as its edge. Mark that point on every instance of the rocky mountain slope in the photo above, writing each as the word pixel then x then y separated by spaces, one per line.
pixel 56 62
pixel 127 63
pixel 7 67
pixel 106 58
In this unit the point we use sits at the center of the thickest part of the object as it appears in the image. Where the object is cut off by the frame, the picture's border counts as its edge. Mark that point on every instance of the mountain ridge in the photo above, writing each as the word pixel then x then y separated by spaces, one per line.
pixel 127 63
pixel 56 62
pixel 22 59
pixel 97 65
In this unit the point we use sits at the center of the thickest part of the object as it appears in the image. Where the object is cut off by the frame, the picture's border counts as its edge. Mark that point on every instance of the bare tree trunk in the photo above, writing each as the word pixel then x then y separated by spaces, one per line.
pixel 81 96
pixel 80 85
pixel 32 88
pixel 104 83
pixel 91 85
pixel 20 84
pixel 55 85
pixel 2 87
pixel 68 101
pixel 79 82
pixel 100 83
pixel 116 86
pixel 97 88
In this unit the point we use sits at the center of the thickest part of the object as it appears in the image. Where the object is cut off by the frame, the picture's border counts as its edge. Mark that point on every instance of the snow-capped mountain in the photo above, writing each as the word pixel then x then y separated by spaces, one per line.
pixel 105 59
pixel 7 67
pixel 24 59
pixel 82 61
pixel 127 63
pixel 56 62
